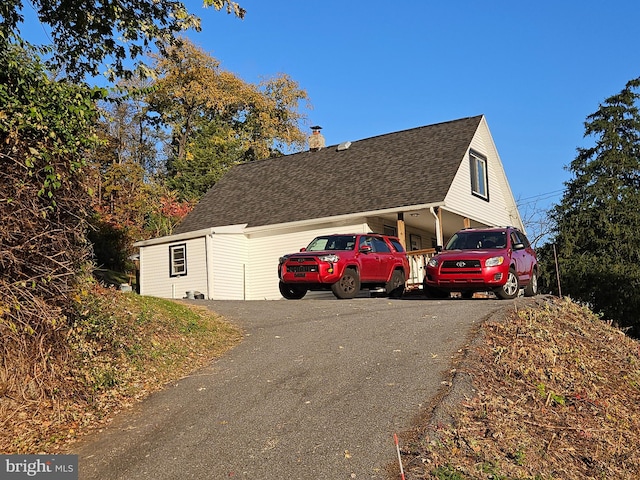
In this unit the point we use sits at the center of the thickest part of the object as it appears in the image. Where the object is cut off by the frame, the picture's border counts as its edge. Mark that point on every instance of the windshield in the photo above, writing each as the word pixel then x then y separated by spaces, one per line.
pixel 332 242
pixel 477 241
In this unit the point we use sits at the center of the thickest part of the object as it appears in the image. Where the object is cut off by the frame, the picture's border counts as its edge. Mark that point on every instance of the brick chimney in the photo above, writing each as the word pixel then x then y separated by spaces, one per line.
pixel 316 140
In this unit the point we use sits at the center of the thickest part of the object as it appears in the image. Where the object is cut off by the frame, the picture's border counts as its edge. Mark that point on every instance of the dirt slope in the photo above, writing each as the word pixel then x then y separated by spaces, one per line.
pixel 549 392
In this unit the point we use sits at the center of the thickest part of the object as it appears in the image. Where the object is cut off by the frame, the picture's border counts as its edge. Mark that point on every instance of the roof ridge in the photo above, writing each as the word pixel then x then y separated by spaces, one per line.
pixel 329 147
pixel 390 168
pixel 422 126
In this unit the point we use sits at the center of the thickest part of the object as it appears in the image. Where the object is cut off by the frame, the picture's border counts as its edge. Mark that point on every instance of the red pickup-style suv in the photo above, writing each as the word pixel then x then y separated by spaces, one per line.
pixel 497 259
pixel 345 264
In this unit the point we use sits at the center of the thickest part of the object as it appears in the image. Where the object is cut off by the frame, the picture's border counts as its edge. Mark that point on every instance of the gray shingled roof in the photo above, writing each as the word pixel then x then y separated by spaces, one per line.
pixel 410 167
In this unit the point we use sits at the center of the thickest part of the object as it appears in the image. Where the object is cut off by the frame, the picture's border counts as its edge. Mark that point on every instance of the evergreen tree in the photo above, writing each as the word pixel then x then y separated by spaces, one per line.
pixel 598 219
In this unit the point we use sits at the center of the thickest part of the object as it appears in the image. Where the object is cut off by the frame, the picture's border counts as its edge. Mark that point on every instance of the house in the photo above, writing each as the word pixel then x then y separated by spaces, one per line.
pixel 421 184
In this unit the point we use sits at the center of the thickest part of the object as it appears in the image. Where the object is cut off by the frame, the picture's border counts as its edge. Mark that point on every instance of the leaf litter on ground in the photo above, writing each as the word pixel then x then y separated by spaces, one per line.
pixel 553 392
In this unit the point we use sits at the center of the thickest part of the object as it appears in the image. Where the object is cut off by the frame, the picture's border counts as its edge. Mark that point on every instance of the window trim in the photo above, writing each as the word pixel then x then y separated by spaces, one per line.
pixel 475 159
pixel 172 260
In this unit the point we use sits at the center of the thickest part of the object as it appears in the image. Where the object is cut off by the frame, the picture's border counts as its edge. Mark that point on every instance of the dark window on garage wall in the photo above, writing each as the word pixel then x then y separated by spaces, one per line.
pixel 178 260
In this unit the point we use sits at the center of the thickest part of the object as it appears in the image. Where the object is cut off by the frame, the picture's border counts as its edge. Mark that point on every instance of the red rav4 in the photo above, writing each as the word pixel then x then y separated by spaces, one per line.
pixel 480 259
pixel 344 264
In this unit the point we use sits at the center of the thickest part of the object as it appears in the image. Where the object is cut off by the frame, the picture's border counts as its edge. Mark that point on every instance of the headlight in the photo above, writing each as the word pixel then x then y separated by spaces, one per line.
pixel 332 258
pixel 433 262
pixel 494 261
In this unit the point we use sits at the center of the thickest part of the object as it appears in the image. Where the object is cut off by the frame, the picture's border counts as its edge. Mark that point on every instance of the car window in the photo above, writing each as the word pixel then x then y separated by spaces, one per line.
pixel 477 240
pixel 496 240
pixel 397 245
pixel 332 242
pixel 379 245
pixel 514 238
pixel 454 243
pixel 341 242
pixel 524 239
pixel 318 244
pixel 364 240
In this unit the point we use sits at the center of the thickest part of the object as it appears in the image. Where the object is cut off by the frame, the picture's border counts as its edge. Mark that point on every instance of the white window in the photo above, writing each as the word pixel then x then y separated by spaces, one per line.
pixel 178 260
pixel 479 182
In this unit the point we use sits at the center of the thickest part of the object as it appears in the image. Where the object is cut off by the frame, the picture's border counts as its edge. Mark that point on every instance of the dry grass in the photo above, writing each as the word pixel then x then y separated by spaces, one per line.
pixel 556 395
pixel 121 348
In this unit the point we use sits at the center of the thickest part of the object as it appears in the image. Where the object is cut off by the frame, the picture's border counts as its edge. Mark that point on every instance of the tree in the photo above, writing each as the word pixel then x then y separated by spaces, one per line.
pixel 597 222
pixel 133 135
pixel 86 33
pixel 216 119
pixel 46 137
pixel 131 202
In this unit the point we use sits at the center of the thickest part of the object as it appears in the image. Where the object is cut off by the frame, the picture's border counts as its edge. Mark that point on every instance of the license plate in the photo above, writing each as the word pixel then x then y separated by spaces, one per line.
pixel 299 275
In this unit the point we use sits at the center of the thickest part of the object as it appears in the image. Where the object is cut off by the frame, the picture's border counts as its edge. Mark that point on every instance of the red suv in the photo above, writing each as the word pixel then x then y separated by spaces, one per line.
pixel 345 264
pixel 481 259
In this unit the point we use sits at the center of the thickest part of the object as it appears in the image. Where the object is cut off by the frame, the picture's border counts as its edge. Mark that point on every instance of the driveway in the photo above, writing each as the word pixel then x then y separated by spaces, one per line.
pixel 315 391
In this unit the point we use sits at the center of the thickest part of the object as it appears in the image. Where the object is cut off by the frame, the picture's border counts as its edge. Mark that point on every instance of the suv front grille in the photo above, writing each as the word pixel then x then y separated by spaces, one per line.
pixel 302 268
pixel 458 264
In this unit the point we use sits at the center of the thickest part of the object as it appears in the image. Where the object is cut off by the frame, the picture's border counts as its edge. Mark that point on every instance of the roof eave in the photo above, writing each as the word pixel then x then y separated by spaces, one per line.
pixel 342 218
pixel 191 235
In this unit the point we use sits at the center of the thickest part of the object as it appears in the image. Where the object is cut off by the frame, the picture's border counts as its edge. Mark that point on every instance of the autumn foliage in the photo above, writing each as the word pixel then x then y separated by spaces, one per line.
pixel 43 207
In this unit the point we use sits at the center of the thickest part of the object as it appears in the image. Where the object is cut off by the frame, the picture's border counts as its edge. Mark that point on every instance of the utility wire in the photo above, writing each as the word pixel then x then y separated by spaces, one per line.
pixel 554 192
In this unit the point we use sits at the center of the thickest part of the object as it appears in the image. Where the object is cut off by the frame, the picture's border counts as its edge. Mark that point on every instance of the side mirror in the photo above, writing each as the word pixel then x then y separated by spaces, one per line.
pixel 518 246
pixel 303 249
pixel 365 249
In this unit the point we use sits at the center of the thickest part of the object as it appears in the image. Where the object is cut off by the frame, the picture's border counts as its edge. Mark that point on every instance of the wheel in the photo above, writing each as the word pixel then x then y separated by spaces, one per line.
pixel 431 292
pixel 395 285
pixel 510 289
pixel 292 291
pixel 349 284
pixel 531 290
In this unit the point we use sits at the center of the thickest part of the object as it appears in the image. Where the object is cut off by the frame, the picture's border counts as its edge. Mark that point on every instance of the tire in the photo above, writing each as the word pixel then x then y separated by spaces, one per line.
pixel 395 285
pixel 511 288
pixel 291 291
pixel 348 286
pixel 531 290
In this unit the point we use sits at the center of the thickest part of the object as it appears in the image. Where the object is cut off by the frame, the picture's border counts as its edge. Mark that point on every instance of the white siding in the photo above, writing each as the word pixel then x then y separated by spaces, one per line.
pixel 155 278
pixel 266 249
pixel 501 208
pixel 228 266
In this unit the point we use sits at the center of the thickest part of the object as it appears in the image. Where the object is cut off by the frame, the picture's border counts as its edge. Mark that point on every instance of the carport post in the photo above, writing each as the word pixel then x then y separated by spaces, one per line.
pixel 402 233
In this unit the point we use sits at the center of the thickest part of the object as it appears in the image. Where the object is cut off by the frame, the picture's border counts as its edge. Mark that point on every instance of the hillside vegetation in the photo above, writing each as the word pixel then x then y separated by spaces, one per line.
pixel 548 392
pixel 120 348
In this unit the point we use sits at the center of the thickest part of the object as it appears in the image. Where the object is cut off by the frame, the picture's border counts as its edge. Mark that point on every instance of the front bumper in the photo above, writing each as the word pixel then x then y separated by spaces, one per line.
pixel 308 272
pixel 471 279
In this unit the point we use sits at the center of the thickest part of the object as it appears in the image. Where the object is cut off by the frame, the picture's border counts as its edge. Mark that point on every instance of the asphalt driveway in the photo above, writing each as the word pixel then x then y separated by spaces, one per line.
pixel 315 391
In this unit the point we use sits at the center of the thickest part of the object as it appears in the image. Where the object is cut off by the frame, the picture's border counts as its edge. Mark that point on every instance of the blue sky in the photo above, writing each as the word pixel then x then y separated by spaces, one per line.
pixel 534 69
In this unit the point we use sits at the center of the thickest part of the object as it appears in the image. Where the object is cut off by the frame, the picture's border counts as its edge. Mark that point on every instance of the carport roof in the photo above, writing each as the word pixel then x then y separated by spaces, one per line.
pixel 401 169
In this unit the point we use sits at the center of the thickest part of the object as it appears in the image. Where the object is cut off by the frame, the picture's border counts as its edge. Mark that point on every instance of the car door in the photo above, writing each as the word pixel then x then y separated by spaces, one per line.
pixel 386 258
pixel 529 255
pixel 368 260
pixel 520 256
